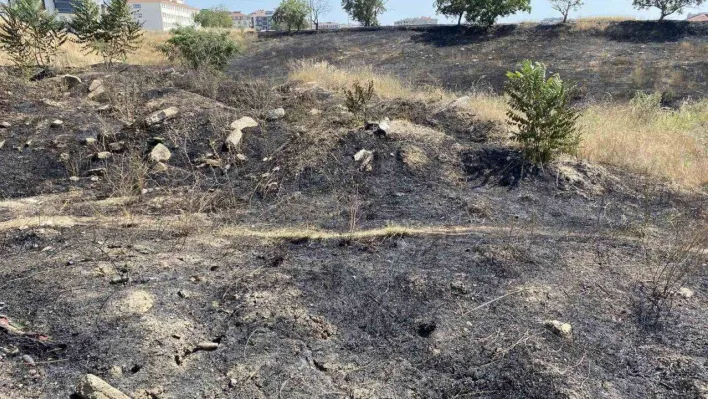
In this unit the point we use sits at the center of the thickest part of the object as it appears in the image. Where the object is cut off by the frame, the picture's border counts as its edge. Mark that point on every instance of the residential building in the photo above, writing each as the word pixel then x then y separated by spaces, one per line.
pixel 65 8
pixel 702 17
pixel 261 20
pixel 241 20
pixel 330 25
pixel 416 21
pixel 163 15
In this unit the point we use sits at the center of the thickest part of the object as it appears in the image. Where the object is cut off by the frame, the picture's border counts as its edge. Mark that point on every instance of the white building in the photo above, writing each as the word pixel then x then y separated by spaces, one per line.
pixel 330 25
pixel 163 15
pixel 241 20
pixel 416 21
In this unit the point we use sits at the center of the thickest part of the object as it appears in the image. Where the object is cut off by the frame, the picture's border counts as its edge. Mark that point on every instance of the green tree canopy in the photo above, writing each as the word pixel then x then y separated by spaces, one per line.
pixel 292 14
pixel 667 7
pixel 486 12
pixel 29 33
pixel 365 11
pixel 215 17
pixel 452 8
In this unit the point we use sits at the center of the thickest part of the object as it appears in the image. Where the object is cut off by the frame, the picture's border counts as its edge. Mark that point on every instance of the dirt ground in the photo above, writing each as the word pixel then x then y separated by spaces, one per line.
pixel 282 267
pixel 611 62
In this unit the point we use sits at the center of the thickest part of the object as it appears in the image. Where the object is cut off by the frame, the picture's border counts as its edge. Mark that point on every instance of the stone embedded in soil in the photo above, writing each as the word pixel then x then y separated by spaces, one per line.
pixel 92 387
pixel 365 159
pixel 234 138
pixel 159 168
pixel 89 141
pixel 207 346
pixel 118 146
pixel 103 155
pixel 56 123
pixel 5 125
pixel 160 153
pixel 71 81
pixel 559 328
pixel 2 144
pixel 686 293
pixel 275 114
pixel 95 84
pixel 161 116
pixel 28 360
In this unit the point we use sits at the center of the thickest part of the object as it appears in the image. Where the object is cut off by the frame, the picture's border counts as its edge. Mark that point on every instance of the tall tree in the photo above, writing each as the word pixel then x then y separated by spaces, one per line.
pixel 317 9
pixel 292 14
pixel 667 7
pixel 365 11
pixel 215 17
pixel 452 8
pixel 566 6
pixel 30 34
pixel 486 12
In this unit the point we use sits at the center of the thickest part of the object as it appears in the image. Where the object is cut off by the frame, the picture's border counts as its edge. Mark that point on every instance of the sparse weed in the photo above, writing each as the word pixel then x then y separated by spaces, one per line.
pixel 357 98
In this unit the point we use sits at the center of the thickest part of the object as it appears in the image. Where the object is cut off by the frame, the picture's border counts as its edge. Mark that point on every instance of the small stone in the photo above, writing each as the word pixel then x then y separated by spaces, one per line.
pixel 97 94
pixel 559 328
pixel 207 346
pixel 234 138
pixel 75 178
pixel 275 114
pixel 70 81
pixel 89 141
pixel 28 360
pixel 233 383
pixel 241 157
pixel 92 387
pixel 183 294
pixel 686 293
pixel 365 159
pixel 117 146
pixel 159 168
pixel 104 108
pixel 56 123
pixel 161 116
pixel 103 155
pixel 5 125
pixel 116 371
pixel 160 153
pixel 120 280
pixel 315 111
pixel 2 144
pixel 95 84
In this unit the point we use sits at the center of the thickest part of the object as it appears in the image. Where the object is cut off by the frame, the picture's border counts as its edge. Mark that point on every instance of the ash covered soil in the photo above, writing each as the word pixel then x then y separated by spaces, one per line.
pixel 608 61
pixel 431 266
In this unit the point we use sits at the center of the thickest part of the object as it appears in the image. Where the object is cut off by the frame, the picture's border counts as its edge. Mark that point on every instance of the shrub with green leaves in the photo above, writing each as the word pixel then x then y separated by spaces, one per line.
pixel 292 14
pixel 358 97
pixel 540 110
pixel 30 34
pixel 215 17
pixel 199 49
pixel 113 34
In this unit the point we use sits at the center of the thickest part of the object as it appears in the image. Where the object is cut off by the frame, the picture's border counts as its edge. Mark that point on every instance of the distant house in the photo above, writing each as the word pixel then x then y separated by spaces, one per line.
pixel 416 21
pixel 163 15
pixel 551 21
pixel 330 25
pixel 702 17
pixel 261 20
pixel 241 20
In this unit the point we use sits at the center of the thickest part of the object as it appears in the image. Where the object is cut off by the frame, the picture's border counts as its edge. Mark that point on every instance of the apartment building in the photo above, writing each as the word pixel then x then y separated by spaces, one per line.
pixel 163 15
pixel 241 20
pixel 261 20
pixel 416 21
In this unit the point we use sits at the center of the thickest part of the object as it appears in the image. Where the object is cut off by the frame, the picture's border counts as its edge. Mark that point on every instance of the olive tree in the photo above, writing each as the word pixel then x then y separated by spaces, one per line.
pixel 566 6
pixel 667 7
pixel 365 11
pixel 292 14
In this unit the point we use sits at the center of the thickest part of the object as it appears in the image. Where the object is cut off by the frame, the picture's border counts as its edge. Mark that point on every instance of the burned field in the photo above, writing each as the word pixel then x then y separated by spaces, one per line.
pixel 299 253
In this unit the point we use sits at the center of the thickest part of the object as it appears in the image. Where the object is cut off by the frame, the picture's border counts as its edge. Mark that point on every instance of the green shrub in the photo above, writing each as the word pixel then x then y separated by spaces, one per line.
pixel 112 34
pixel 540 110
pixel 29 34
pixel 199 49
pixel 215 17
pixel 358 98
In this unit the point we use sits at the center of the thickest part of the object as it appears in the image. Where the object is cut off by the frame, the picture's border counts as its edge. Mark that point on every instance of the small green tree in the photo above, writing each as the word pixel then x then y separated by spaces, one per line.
pixel 365 11
pixel 452 8
pixel 30 34
pixel 215 17
pixel 199 49
pixel 566 6
pixel 358 97
pixel 292 14
pixel 486 12
pixel 667 7
pixel 540 110
pixel 113 34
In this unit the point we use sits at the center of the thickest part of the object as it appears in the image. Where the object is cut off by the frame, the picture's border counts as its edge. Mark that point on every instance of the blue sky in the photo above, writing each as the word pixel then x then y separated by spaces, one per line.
pixel 399 9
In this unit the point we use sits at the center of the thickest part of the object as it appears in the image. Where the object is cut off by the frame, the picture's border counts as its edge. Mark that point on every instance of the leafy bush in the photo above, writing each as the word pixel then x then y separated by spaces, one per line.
pixel 198 49
pixel 30 34
pixel 358 98
pixel 541 111
pixel 365 12
pixel 481 12
pixel 216 17
pixel 112 34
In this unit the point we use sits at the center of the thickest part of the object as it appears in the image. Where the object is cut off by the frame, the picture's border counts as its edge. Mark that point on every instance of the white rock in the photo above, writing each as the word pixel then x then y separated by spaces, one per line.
pixel 71 81
pixel 161 116
pixel 56 123
pixel 92 387
pixel 559 328
pixel 160 153
pixel 365 159
pixel 207 346
pixel 103 155
pixel 686 292
pixel 95 84
pixel 275 114
pixel 234 138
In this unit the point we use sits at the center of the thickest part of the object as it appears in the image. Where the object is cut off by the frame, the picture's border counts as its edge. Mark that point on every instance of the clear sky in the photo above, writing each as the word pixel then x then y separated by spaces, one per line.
pixel 399 9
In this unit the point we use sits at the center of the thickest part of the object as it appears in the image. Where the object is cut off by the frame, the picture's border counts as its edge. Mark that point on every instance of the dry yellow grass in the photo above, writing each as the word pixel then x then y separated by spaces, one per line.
pixel 598 23
pixel 641 137
pixel 72 55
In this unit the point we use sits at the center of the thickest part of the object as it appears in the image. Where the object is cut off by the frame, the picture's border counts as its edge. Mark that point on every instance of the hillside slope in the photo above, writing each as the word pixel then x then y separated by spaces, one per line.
pixel 614 60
